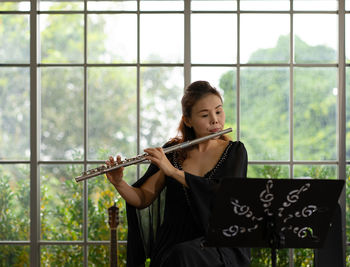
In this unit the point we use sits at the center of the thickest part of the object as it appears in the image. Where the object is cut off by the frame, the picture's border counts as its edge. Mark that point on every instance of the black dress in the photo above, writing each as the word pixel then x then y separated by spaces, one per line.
pixel 171 232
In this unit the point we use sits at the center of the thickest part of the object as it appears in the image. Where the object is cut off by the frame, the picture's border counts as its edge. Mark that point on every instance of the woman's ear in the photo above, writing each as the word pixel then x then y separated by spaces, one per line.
pixel 186 122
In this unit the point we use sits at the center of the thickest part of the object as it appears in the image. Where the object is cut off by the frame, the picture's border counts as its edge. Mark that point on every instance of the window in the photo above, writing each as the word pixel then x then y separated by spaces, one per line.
pixel 82 80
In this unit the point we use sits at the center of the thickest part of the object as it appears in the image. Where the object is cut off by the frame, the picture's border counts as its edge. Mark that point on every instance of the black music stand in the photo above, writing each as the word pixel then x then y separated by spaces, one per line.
pixel 273 213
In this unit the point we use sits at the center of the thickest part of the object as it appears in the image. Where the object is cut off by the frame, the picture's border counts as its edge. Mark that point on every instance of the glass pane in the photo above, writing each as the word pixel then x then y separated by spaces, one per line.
pixel 315 5
pixel 14 114
pixel 14 203
pixel 268 171
pixel 348 114
pixel 121 5
pixel 162 38
pixel 214 5
pixel 61 204
pixel 214 38
pixel 62 111
pixel 262 257
pixel 161 93
pixel 303 257
pixel 62 38
pixel 112 109
pixel 156 5
pixel 99 255
pixel 223 79
pixel 347 38
pixel 315 171
pixel 14 5
pixel 61 255
pixel 14 36
pixel 112 38
pixel 61 5
pixel 315 38
pixel 315 113
pixel 347 211
pixel 271 5
pixel 264 38
pixel 347 4
pixel 103 195
pixel 265 112
pixel 14 255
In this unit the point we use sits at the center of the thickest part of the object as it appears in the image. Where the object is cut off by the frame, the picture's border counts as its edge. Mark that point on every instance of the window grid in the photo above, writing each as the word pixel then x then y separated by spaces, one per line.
pixel 35 66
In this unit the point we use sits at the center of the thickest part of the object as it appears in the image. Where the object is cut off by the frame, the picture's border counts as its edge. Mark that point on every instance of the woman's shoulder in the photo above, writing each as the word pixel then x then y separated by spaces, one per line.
pixel 237 146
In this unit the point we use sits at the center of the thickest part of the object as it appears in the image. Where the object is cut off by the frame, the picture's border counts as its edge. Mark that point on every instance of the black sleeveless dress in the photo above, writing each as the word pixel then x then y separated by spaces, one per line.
pixel 171 232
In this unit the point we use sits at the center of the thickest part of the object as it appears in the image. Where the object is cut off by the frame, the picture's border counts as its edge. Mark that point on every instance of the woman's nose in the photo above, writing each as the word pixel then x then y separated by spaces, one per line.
pixel 214 119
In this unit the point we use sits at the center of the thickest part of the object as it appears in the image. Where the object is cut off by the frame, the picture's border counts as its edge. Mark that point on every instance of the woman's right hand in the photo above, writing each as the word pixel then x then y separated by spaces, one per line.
pixel 114 176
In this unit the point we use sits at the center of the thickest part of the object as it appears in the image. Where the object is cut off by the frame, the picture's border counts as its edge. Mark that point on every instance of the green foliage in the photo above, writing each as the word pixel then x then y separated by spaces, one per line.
pixel 112 122
pixel 14 217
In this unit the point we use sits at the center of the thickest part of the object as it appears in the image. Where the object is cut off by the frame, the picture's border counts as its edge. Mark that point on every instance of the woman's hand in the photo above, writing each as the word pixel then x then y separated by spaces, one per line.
pixel 158 157
pixel 114 176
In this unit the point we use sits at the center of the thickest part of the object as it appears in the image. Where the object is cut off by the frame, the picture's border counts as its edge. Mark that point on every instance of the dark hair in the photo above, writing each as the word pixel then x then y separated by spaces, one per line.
pixel 194 92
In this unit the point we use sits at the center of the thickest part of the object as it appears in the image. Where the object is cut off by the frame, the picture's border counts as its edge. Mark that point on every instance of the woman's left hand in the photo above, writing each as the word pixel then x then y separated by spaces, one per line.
pixel 158 157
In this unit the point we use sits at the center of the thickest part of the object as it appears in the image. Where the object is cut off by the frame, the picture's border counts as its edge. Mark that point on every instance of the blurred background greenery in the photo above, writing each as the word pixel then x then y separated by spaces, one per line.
pixel 111 125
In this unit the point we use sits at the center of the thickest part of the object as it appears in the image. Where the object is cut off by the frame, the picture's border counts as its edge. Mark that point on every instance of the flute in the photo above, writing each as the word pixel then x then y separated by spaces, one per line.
pixel 140 158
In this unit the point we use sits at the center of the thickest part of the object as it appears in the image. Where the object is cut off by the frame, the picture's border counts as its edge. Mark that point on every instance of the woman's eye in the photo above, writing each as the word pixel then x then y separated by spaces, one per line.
pixel 205 115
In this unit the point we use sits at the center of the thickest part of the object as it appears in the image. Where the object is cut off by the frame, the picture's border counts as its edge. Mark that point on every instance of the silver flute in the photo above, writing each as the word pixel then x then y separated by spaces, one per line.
pixel 140 158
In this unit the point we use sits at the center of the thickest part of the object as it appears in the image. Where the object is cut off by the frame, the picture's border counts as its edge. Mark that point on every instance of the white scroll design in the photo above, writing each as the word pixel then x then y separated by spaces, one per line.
pixel 244 210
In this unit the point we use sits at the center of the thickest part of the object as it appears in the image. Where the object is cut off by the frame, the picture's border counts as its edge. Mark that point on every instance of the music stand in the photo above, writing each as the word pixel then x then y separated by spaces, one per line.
pixel 273 213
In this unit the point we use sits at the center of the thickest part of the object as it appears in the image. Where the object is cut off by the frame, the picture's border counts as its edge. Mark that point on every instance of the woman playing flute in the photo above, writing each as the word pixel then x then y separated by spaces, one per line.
pixel 172 232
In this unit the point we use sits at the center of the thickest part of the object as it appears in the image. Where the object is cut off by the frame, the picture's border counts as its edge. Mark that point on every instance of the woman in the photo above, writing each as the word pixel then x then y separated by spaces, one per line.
pixel 173 232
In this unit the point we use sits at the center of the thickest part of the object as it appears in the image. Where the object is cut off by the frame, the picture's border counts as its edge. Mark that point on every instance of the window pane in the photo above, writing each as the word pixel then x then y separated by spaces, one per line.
pixel 161 93
pixel 99 255
pixel 272 5
pixel 61 5
pixel 214 5
pixel 347 38
pixel 315 38
pixel 315 113
pixel 315 171
pixel 112 38
pixel 61 255
pixel 265 112
pixel 223 79
pixel 14 114
pixel 347 4
pixel 214 38
pixel 262 257
pixel 62 38
pixel 268 171
pixel 315 5
pixel 14 5
pixel 14 203
pixel 157 5
pixel 61 204
pixel 112 102
pixel 347 210
pixel 14 255
pixel 264 38
pixel 103 195
pixel 14 36
pixel 62 113
pixel 348 114
pixel 162 38
pixel 303 257
pixel 122 5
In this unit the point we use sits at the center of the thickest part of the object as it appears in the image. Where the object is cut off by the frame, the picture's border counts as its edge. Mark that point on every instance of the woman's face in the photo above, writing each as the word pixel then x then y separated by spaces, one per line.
pixel 207 116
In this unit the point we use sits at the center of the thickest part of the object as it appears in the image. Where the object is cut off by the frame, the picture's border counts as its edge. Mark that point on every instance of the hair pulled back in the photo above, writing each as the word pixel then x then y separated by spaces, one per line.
pixel 193 93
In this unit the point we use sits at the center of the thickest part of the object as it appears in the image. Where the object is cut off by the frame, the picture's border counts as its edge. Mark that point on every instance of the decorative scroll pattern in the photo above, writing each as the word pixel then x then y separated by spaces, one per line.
pixel 266 197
